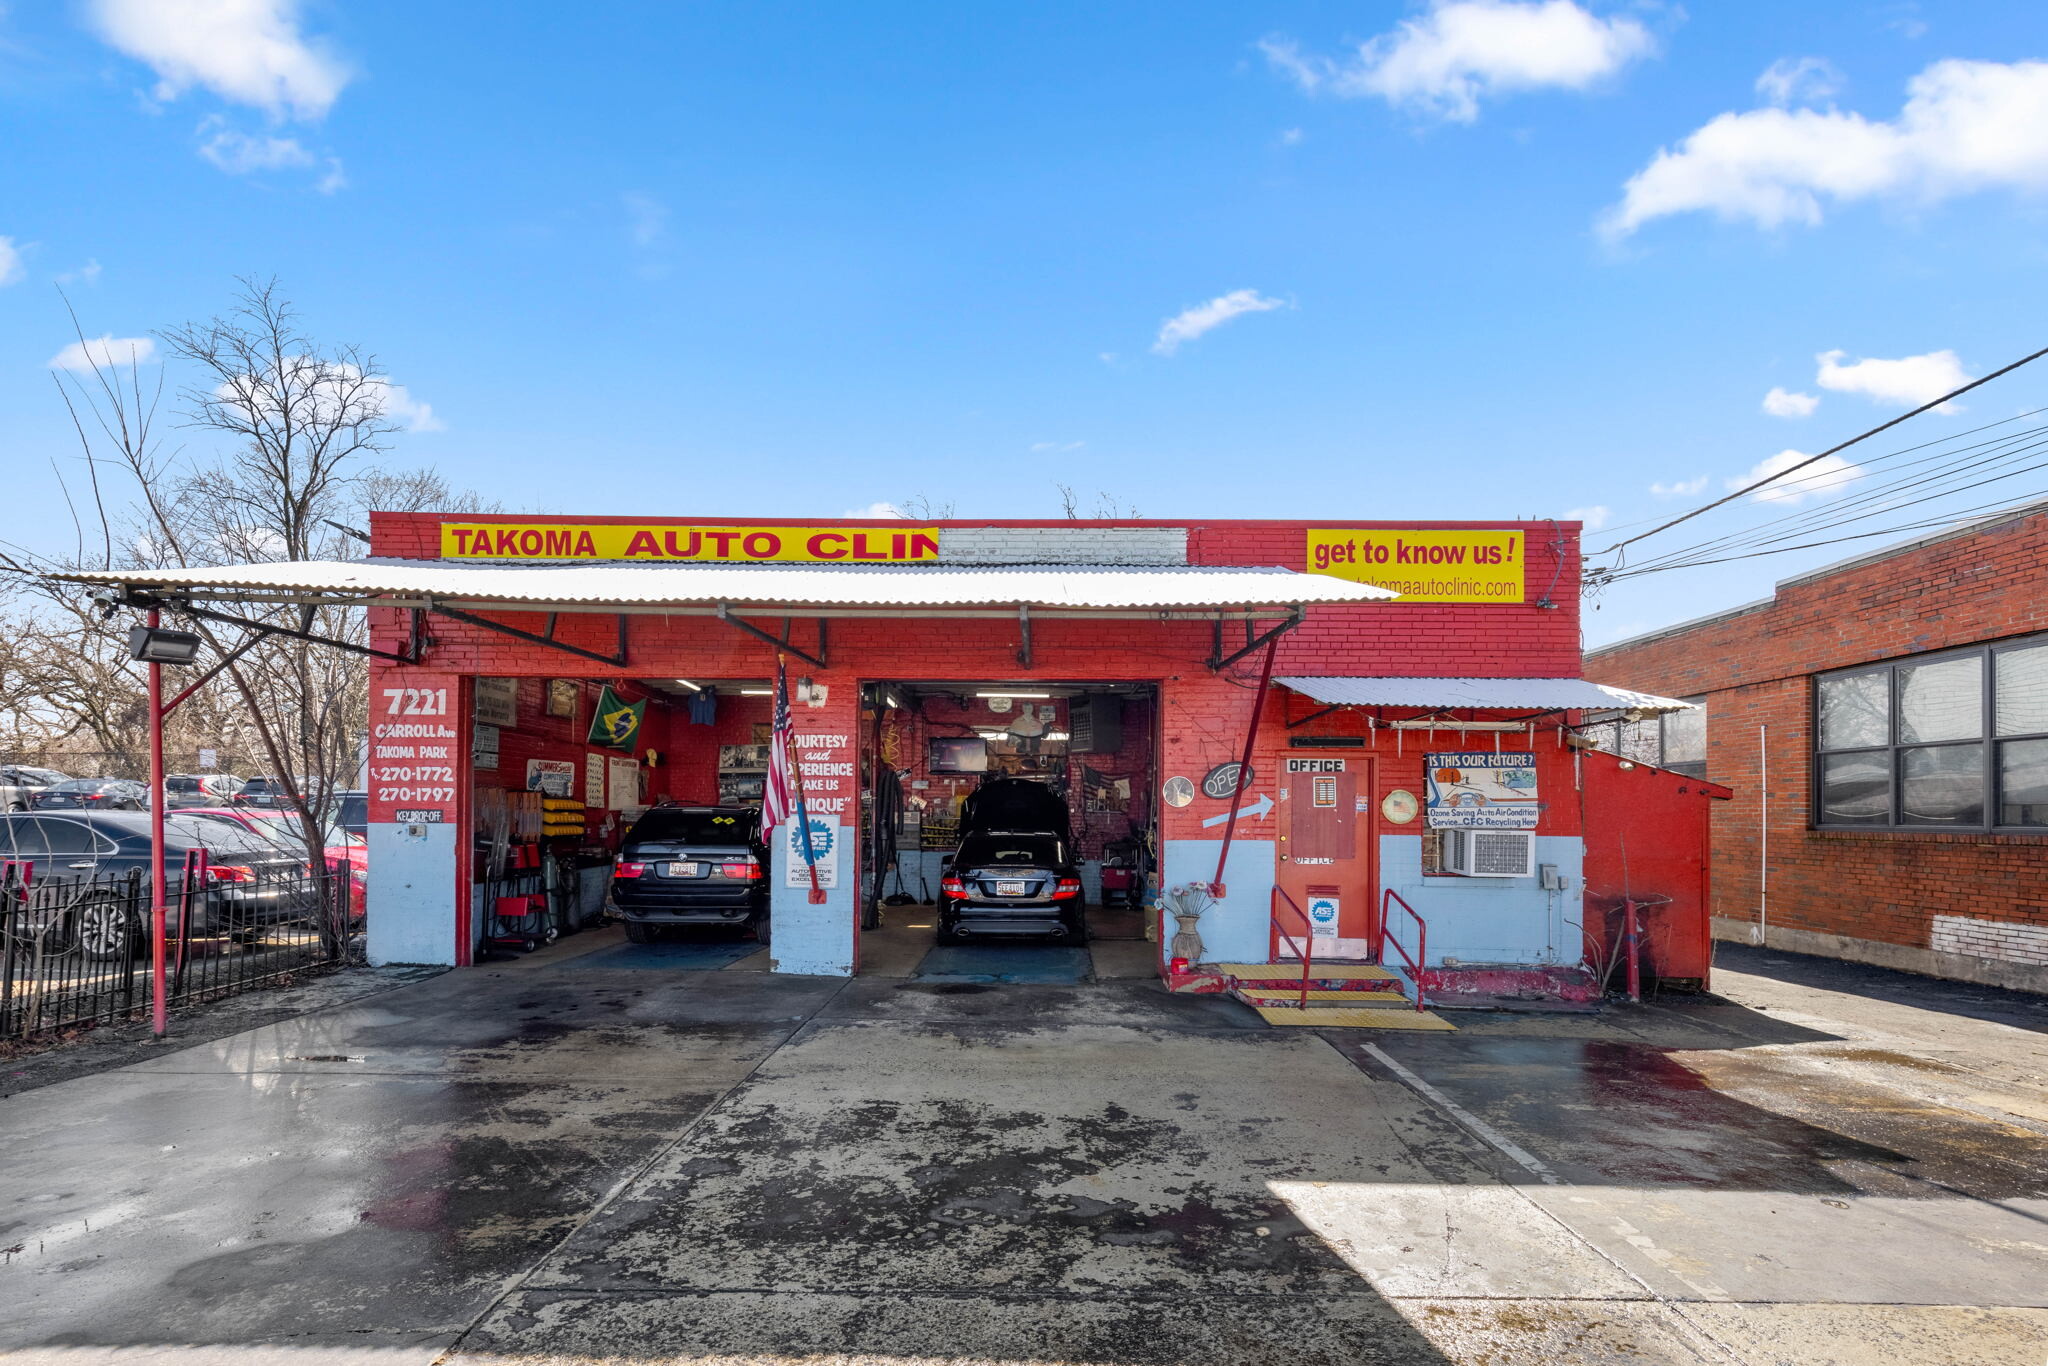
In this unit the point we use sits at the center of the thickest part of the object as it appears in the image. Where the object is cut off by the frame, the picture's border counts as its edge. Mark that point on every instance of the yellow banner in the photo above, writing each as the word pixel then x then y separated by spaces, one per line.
pixel 1424 566
pixel 865 545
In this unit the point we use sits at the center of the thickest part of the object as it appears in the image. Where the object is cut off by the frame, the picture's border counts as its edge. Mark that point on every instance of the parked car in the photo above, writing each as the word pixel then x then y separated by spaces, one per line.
pixel 19 781
pixel 692 865
pixel 346 853
pixel 271 792
pixel 352 813
pixel 91 794
pixel 1011 884
pixel 1014 874
pixel 80 861
pixel 199 789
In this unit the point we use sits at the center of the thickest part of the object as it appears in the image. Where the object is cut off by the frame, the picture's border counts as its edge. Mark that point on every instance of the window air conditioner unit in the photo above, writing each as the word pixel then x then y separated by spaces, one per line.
pixel 1490 853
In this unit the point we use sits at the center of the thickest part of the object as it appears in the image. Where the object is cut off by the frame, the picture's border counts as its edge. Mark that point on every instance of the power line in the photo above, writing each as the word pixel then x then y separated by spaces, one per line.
pixel 1832 450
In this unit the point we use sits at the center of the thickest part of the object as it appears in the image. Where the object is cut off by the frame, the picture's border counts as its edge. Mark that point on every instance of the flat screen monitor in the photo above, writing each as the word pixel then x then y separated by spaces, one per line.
pixel 958 754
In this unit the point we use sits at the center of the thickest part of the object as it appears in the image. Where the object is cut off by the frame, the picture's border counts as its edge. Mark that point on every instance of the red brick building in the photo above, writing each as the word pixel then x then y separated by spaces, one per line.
pixel 1884 725
pixel 1411 789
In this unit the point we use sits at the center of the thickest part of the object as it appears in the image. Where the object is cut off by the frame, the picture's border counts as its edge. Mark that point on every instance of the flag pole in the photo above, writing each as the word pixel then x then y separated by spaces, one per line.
pixel 796 775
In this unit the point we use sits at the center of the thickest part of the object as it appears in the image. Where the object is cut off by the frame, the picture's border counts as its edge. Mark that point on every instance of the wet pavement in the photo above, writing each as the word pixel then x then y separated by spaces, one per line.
pixel 585 1155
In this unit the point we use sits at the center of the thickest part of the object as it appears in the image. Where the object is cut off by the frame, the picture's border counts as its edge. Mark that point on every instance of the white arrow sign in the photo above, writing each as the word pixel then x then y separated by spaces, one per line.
pixel 1252 809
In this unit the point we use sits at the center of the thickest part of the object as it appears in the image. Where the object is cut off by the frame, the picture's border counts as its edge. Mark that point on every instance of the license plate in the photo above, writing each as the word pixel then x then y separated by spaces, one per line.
pixel 1009 888
pixel 684 869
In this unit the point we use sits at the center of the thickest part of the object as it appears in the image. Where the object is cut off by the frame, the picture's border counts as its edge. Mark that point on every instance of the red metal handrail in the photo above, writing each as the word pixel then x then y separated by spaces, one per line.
pixel 1393 898
pixel 1307 939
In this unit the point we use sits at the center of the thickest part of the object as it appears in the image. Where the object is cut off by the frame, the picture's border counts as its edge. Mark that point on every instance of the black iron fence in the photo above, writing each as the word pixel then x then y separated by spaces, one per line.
pixel 78 951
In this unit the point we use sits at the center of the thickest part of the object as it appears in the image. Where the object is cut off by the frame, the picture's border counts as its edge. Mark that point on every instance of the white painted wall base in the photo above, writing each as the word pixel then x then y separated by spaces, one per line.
pixel 1960 967
pixel 411 894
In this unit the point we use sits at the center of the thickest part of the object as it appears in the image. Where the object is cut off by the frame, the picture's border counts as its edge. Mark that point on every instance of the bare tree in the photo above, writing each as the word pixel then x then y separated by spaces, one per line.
pixel 919 507
pixel 292 427
pixel 1107 507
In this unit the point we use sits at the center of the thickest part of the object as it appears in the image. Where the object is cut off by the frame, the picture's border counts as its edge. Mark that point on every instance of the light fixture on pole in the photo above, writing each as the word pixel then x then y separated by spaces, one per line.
pixel 152 645
pixel 157 647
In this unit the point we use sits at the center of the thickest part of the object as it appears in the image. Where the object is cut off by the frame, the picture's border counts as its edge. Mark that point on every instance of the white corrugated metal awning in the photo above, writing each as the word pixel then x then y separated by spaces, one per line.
pixel 617 587
pixel 1493 694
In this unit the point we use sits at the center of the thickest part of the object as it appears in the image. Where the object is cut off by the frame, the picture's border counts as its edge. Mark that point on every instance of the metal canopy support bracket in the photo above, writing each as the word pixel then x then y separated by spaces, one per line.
pixel 617 661
pixel 267 628
pixel 1293 620
pixel 1244 767
pixel 725 614
pixel 1024 628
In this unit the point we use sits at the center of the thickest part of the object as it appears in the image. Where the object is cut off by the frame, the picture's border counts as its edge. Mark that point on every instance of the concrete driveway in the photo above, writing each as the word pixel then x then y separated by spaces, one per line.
pixel 587 1155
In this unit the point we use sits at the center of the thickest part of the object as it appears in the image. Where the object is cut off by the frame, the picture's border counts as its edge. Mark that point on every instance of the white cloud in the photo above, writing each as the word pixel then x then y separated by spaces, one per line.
pixel 1290 137
pixel 1680 488
pixel 1908 381
pixel 876 511
pixel 1191 323
pixel 107 351
pixel 1594 517
pixel 87 274
pixel 646 218
pixel 1826 476
pixel 240 154
pixel 401 406
pixel 247 51
pixel 1786 403
pixel 1809 80
pixel 1444 62
pixel 11 268
pixel 1966 126
pixel 334 180
pixel 1055 447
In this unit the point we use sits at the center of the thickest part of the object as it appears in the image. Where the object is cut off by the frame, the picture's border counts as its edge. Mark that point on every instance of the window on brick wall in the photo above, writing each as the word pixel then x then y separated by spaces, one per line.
pixel 1676 740
pixel 1955 741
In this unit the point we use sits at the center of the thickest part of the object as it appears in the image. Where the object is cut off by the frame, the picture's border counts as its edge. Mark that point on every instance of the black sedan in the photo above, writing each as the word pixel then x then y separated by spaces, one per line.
pixel 692 865
pixel 89 884
pixel 1010 884
pixel 91 794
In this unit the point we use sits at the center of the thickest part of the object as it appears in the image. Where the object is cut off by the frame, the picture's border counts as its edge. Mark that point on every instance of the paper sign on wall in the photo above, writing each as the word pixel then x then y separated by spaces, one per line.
pixel 824 850
pixel 1481 791
pixel 625 783
pixel 593 781
pixel 1322 917
pixel 555 777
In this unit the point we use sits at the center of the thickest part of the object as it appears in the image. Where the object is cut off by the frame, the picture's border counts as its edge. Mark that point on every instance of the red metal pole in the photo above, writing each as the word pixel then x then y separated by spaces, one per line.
pixel 1244 767
pixel 1632 936
pixel 159 1009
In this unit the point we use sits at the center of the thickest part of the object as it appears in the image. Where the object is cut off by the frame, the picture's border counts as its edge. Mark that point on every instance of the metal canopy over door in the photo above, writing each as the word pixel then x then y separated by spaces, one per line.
pixel 1325 858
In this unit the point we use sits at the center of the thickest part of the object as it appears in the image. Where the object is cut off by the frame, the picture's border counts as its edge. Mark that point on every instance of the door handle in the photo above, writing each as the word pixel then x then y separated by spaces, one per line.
pixel 87 864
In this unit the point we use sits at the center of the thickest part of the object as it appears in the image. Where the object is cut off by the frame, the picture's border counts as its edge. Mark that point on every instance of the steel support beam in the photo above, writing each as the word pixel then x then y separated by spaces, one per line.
pixel 1271 637
pixel 617 661
pixel 1024 638
pixel 726 615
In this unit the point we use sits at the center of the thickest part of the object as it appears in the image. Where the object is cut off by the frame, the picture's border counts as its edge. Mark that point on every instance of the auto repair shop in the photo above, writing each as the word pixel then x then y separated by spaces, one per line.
pixel 1405 692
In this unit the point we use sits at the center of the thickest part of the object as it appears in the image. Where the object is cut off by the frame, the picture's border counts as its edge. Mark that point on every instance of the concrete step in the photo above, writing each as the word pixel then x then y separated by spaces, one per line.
pixel 1372 1017
pixel 1375 994
pixel 1291 972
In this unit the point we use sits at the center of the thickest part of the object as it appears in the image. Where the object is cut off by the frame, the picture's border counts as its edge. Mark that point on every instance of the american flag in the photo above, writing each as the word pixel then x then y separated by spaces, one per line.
pixel 778 795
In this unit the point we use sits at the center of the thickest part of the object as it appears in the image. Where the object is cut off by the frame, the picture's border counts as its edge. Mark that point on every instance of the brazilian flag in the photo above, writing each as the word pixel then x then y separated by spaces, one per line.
pixel 617 722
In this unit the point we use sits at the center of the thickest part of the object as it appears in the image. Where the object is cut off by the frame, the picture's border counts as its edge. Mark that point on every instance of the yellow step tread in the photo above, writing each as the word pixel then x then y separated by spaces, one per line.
pixel 1281 996
pixel 1291 972
pixel 1355 1019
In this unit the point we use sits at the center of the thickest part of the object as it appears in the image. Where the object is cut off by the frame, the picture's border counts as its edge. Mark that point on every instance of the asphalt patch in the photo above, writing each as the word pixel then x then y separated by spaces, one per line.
pixel 674 956
pixel 1037 965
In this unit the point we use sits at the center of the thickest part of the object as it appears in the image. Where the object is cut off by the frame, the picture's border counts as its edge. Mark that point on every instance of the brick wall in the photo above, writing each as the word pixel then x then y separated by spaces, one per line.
pixel 1755 664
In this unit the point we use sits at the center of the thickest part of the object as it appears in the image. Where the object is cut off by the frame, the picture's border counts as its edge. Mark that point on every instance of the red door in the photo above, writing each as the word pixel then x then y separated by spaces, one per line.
pixel 1325 857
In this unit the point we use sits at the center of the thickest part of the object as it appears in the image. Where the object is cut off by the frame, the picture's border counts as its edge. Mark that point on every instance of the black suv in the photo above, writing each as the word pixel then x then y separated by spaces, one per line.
pixel 1014 874
pixel 692 865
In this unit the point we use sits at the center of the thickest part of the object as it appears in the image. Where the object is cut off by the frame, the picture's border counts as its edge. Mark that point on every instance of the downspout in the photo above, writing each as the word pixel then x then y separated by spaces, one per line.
pixel 1244 767
pixel 1760 932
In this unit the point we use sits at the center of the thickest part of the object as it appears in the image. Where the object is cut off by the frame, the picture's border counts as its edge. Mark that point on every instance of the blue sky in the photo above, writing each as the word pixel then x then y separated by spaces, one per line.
pixel 720 259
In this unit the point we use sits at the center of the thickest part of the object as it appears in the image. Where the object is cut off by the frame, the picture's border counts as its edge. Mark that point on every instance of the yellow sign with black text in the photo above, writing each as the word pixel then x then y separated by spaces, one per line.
pixel 1423 566
pixel 657 544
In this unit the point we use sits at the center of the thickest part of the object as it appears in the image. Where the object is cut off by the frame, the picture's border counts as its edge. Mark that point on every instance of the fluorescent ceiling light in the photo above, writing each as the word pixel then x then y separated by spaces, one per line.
pixel 1013 694
pixel 688 684
pixel 757 692
pixel 993 734
pixel 1057 735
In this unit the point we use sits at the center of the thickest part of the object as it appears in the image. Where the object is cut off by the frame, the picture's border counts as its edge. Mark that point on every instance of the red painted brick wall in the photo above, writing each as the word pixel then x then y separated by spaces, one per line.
pixel 1755 669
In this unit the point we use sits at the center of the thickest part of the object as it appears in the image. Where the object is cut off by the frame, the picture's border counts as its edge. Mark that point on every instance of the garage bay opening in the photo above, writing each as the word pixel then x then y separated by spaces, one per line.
pixel 1007 828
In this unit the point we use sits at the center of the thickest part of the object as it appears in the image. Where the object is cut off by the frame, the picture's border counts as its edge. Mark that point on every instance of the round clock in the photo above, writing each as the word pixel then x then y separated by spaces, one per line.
pixel 1399 806
pixel 1178 791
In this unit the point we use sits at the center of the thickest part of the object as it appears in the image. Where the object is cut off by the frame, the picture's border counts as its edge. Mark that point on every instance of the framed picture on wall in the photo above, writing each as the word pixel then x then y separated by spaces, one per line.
pixel 561 697
pixel 764 732
pixel 497 701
